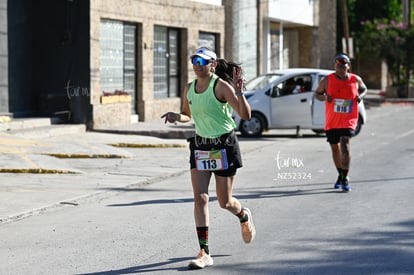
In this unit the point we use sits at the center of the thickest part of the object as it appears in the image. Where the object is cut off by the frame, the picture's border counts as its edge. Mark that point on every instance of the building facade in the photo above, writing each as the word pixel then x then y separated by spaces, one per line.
pixel 276 34
pixel 107 63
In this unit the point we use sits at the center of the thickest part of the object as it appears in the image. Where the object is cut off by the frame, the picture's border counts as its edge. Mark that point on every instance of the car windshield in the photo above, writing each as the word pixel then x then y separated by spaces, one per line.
pixel 261 81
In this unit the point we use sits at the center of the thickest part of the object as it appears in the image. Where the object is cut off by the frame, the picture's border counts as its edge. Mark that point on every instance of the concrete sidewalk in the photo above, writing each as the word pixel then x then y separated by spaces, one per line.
pixel 39 173
pixel 33 148
pixel 154 128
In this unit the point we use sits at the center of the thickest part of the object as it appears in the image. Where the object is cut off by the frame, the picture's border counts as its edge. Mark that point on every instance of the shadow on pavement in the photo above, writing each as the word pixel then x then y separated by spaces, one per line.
pixel 254 194
pixel 378 251
pixel 153 267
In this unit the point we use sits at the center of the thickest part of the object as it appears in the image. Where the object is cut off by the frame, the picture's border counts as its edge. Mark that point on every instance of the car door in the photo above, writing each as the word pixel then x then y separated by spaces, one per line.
pixel 318 108
pixel 290 108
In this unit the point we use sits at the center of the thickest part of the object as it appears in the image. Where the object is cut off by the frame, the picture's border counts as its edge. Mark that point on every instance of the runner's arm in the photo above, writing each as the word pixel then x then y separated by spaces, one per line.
pixel 185 115
pixel 362 89
pixel 320 92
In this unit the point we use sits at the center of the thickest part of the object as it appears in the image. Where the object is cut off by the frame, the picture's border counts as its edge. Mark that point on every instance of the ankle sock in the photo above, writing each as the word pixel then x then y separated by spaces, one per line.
pixel 344 173
pixel 242 216
pixel 202 234
pixel 340 173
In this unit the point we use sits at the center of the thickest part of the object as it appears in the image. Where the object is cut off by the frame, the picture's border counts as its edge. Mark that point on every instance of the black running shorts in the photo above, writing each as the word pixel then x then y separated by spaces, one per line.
pixel 229 142
pixel 333 135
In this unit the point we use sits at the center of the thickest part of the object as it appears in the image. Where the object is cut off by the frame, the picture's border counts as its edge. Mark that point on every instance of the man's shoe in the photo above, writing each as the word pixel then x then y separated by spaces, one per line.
pixel 345 185
pixel 338 183
pixel 203 259
pixel 247 227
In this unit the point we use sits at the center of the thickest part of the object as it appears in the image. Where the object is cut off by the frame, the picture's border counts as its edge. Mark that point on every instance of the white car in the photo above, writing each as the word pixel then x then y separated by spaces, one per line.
pixel 284 99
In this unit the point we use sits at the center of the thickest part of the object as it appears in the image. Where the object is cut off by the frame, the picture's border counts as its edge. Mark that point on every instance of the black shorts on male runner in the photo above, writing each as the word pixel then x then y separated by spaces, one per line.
pixel 334 135
pixel 227 141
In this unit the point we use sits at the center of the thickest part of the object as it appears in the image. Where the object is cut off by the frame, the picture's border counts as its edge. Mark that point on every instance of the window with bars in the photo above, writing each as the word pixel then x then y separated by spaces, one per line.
pixel 209 40
pixel 118 58
pixel 166 62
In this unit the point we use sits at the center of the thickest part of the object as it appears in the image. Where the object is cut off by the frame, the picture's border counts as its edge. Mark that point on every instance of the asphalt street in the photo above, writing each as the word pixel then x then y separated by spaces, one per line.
pixel 134 215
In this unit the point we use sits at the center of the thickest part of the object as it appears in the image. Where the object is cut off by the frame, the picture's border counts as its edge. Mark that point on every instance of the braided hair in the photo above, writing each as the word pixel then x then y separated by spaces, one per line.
pixel 224 70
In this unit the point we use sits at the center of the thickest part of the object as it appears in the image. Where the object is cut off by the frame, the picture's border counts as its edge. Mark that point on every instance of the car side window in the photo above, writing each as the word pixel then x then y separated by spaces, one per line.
pixel 288 87
pixel 320 77
pixel 276 90
pixel 296 85
pixel 306 83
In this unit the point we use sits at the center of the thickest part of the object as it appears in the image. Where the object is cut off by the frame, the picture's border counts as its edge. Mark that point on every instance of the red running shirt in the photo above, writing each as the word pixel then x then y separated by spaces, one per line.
pixel 342 111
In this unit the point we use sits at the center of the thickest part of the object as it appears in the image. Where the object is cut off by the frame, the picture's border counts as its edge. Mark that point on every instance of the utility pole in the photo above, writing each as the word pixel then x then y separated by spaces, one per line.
pixel 406 11
pixel 346 26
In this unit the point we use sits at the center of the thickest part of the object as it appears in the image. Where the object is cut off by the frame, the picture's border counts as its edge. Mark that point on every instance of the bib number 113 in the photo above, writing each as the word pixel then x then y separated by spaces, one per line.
pixel 210 164
pixel 211 160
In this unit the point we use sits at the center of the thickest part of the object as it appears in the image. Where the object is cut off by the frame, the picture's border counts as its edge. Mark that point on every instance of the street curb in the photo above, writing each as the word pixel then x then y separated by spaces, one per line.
pixel 148 145
pixel 37 171
pixel 382 99
pixel 166 134
pixel 86 156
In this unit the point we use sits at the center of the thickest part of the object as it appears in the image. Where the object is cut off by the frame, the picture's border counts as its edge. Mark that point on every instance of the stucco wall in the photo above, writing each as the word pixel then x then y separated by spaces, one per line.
pixel 325 34
pixel 107 115
pixel 190 17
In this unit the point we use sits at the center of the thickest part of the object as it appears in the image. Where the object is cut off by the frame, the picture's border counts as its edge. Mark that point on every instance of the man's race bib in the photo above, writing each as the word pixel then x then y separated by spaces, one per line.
pixel 211 160
pixel 342 106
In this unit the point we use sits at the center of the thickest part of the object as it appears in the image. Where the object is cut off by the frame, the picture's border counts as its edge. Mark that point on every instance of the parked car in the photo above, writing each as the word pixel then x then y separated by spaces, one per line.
pixel 284 99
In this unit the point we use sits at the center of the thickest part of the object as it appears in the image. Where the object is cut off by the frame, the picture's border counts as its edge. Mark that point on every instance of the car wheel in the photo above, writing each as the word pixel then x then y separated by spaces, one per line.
pixel 359 126
pixel 253 127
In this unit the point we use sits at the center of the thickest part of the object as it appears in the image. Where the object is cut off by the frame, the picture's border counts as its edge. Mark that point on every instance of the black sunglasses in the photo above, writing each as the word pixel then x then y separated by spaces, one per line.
pixel 341 61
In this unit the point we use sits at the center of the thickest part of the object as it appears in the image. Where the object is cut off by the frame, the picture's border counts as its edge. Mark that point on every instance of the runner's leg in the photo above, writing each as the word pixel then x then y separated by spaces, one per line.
pixel 336 155
pixel 224 190
pixel 345 142
pixel 200 181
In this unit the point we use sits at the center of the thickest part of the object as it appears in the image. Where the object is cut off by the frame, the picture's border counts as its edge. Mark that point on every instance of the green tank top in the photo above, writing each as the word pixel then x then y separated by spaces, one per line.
pixel 211 116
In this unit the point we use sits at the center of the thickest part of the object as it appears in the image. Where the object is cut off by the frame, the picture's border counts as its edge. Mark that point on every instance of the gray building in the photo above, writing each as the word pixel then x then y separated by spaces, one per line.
pixel 106 62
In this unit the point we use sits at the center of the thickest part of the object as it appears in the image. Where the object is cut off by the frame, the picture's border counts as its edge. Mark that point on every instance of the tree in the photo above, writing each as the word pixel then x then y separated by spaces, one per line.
pixel 378 30
pixel 390 41
pixel 366 10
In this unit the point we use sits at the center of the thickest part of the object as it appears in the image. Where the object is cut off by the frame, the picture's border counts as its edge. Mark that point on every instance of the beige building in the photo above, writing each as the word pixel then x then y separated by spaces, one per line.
pixel 162 36
pixel 106 63
pixel 278 34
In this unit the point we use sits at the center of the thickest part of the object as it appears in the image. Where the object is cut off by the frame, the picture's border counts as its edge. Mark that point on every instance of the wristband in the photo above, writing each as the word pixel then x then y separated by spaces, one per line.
pixel 239 94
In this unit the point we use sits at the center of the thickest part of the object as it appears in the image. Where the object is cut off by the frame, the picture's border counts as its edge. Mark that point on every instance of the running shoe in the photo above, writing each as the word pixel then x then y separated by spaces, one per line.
pixel 202 260
pixel 247 227
pixel 345 185
pixel 338 183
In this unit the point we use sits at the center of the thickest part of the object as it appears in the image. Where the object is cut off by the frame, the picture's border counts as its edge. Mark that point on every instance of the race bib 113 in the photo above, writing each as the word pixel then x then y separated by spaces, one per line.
pixel 211 160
